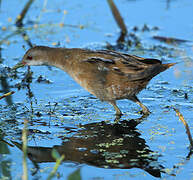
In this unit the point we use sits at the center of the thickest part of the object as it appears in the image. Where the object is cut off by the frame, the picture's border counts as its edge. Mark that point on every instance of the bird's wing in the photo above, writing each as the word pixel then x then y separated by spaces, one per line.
pixel 130 66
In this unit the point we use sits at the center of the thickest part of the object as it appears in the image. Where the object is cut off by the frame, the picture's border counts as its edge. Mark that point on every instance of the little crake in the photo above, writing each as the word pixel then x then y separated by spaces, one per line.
pixel 108 75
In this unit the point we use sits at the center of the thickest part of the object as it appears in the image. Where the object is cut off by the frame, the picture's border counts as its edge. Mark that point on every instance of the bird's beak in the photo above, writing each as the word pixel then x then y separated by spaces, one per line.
pixel 18 65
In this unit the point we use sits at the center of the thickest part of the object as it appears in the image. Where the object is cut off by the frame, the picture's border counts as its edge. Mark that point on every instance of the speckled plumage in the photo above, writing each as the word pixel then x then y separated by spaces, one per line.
pixel 109 75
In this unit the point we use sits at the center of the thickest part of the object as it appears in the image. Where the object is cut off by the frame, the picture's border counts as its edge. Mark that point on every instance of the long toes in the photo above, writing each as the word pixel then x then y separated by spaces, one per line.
pixel 118 117
pixel 119 114
pixel 146 111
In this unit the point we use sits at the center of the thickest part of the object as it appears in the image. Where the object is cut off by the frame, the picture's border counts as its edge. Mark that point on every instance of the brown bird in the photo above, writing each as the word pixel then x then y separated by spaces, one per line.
pixel 108 75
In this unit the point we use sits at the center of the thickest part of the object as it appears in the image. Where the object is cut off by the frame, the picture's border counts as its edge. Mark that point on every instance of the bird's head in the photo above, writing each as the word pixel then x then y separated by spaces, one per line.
pixel 35 56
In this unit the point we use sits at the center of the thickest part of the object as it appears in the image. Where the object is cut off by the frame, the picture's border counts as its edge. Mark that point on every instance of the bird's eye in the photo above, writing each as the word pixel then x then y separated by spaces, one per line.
pixel 29 57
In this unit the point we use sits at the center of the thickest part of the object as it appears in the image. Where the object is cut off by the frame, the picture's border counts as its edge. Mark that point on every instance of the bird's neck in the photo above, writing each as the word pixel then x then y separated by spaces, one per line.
pixel 62 57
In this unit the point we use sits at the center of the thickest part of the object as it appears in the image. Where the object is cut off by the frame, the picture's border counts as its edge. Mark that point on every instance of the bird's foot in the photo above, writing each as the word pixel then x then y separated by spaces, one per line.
pixel 145 112
pixel 118 117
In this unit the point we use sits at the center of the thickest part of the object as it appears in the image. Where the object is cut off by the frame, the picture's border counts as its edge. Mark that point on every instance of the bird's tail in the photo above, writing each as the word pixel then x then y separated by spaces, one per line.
pixel 166 66
pixel 160 69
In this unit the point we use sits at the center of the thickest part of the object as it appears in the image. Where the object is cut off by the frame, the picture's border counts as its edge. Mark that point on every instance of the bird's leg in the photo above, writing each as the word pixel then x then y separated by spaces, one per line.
pixel 118 111
pixel 145 110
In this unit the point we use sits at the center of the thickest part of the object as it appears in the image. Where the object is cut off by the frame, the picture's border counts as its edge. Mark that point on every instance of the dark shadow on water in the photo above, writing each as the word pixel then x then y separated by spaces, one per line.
pixel 105 145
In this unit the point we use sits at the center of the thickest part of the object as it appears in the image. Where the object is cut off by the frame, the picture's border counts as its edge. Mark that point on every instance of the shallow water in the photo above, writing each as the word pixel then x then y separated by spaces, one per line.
pixel 65 117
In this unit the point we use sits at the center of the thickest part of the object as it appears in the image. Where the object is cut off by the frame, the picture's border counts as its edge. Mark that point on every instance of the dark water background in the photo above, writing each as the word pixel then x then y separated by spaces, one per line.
pixel 63 115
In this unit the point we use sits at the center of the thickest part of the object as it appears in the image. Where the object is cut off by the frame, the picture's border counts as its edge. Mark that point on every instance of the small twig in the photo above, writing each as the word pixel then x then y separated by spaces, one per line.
pixel 27 39
pixel 170 40
pixel 59 160
pixel 7 94
pixel 186 126
pixel 19 20
pixel 117 17
pixel 24 148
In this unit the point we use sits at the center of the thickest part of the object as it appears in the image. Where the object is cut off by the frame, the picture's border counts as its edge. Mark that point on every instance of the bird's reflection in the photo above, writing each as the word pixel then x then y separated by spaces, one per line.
pixel 106 145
